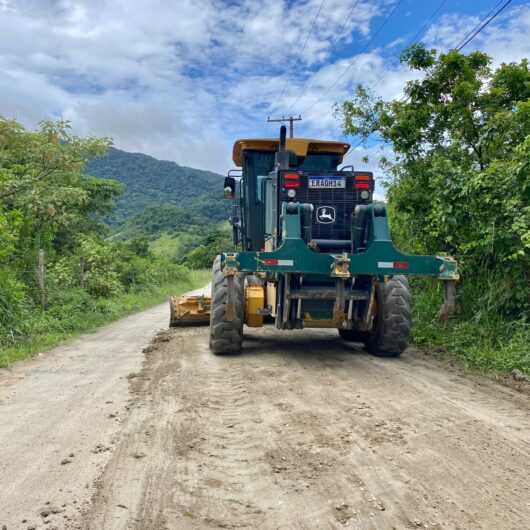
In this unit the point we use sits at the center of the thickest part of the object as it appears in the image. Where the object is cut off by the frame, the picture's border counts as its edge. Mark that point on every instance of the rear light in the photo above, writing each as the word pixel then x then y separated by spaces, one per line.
pixel 278 262
pixel 291 180
pixel 363 182
pixel 399 265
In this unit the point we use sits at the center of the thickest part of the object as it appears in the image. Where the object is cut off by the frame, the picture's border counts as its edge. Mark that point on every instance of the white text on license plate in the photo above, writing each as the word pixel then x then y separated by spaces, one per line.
pixel 327 182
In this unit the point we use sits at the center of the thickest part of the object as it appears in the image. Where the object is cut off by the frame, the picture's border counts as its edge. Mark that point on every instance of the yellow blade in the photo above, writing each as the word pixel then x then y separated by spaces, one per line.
pixel 185 310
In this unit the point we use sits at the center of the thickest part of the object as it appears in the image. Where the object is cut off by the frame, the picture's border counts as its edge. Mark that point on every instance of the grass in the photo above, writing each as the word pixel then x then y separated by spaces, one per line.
pixel 166 245
pixel 172 246
pixel 50 328
pixel 479 337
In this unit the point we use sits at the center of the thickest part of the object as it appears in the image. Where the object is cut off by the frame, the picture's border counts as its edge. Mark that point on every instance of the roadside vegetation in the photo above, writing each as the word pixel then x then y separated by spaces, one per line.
pixel 60 272
pixel 175 233
pixel 197 248
pixel 460 184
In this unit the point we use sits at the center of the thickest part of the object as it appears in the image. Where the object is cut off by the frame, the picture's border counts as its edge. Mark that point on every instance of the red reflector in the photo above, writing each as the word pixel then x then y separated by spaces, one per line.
pixel 291 180
pixel 401 265
pixel 362 177
pixel 270 261
pixel 362 186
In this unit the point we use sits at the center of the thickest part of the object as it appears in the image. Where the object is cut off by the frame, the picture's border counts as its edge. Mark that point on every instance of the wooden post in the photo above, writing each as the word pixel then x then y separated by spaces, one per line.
pixel 449 307
pixel 82 272
pixel 41 277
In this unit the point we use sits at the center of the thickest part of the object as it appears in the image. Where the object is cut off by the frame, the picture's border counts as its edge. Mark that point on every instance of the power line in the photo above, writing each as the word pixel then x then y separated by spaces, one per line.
pixel 492 9
pixel 420 32
pixel 305 42
pixel 422 29
pixel 415 38
pixel 477 31
pixel 312 26
pixel 365 48
pixel 469 36
pixel 339 33
pixel 337 38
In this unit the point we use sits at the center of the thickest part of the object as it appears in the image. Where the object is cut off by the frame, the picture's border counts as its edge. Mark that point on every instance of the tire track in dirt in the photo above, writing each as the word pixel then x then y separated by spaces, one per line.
pixel 303 431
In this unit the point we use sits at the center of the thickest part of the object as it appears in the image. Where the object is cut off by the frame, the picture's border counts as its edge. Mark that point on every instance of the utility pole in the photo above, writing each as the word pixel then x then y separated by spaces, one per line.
pixel 290 119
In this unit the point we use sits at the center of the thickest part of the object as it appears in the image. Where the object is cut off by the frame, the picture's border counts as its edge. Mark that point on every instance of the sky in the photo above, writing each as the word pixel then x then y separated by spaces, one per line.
pixel 182 79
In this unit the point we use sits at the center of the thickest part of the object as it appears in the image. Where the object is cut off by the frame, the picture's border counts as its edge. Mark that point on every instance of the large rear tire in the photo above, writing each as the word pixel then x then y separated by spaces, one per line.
pixel 393 319
pixel 226 333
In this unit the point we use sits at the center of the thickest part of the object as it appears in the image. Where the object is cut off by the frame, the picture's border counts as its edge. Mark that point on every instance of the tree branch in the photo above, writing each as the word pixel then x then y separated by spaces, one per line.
pixel 42 176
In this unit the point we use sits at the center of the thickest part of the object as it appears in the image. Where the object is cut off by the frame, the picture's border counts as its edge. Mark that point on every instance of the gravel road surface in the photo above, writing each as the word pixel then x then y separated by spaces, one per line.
pixel 302 431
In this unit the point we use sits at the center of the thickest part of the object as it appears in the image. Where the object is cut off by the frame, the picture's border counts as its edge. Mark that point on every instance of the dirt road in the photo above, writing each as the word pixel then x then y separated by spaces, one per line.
pixel 60 415
pixel 300 432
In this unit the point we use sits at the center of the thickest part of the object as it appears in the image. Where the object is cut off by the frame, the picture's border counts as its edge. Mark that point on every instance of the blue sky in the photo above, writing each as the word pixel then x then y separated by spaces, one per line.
pixel 181 79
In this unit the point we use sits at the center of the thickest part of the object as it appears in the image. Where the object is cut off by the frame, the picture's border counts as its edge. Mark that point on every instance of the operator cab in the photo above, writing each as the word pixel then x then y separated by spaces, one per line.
pixel 303 171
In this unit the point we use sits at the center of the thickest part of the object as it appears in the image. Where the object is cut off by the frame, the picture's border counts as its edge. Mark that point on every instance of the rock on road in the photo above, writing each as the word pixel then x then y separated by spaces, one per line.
pixel 302 431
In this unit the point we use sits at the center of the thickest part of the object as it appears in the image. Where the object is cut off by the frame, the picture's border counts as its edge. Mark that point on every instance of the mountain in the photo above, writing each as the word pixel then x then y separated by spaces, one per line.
pixel 157 187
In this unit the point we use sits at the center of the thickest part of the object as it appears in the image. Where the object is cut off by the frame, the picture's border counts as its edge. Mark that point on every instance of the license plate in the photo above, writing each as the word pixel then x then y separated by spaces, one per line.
pixel 327 182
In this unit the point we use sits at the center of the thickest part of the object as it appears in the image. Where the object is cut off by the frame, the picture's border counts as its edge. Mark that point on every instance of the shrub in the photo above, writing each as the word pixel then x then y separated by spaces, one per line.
pixel 13 307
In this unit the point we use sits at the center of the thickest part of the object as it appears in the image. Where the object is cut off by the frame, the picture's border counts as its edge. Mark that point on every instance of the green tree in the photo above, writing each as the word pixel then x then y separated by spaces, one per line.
pixel 46 200
pixel 208 247
pixel 460 180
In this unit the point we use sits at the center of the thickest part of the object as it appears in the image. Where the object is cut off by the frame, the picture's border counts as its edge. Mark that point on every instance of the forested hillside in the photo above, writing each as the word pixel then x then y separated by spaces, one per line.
pixel 150 182
pixel 178 210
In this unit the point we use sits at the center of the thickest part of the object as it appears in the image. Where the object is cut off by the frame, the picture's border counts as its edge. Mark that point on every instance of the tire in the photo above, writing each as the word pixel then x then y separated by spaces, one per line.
pixel 353 335
pixel 226 336
pixel 393 320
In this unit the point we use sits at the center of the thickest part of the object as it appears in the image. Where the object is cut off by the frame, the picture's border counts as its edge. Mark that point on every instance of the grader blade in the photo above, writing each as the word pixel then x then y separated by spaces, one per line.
pixel 189 310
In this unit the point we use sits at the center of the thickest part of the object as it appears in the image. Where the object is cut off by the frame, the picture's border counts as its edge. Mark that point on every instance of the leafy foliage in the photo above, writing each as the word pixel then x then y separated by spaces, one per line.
pixel 481 338
pixel 75 311
pixel 460 182
pixel 210 245
pixel 162 218
pixel 196 248
pixel 44 195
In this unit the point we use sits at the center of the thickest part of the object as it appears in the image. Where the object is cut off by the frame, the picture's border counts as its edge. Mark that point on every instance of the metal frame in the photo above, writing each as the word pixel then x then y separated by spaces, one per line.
pixel 378 259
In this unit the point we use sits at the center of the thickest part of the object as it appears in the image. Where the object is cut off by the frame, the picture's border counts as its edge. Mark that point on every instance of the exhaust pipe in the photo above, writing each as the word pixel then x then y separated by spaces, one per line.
pixel 282 156
pixel 283 136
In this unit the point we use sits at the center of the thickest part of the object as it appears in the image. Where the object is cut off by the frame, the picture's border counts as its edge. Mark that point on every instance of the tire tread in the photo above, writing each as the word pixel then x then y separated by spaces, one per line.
pixel 226 336
pixel 391 336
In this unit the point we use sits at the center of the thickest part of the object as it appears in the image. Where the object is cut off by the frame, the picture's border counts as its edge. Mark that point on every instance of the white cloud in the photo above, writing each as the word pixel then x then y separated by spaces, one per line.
pixel 505 39
pixel 175 82
pixel 182 80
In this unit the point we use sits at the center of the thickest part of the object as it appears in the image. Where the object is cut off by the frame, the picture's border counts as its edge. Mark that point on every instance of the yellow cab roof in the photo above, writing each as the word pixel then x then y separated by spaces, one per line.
pixel 300 146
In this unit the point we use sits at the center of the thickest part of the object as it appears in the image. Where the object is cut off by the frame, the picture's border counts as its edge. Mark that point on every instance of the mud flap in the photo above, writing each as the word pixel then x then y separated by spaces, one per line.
pixel 449 307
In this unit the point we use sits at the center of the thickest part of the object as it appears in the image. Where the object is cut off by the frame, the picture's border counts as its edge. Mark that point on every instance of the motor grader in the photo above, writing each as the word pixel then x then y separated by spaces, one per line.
pixel 314 251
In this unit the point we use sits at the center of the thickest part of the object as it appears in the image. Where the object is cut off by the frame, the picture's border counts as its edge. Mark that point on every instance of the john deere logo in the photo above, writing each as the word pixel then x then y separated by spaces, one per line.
pixel 326 214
